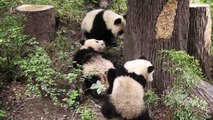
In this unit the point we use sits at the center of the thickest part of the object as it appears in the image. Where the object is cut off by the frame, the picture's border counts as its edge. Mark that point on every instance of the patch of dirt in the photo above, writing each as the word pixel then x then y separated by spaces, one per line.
pixel 162 113
pixel 21 107
pixel 95 105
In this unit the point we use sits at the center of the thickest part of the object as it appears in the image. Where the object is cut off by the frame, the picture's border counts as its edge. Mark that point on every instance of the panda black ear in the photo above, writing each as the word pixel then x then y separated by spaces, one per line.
pixel 124 16
pixel 117 21
pixel 142 57
pixel 150 69
pixel 82 41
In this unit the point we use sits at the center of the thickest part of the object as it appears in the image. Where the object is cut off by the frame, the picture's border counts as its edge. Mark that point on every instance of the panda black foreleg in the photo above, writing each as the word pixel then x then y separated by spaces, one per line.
pixel 88 35
pixel 88 83
pixel 108 109
pixel 109 39
pixel 112 42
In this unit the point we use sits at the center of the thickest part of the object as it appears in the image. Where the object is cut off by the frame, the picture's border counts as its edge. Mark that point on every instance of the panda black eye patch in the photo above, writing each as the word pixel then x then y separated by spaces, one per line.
pixel 121 32
pixel 150 69
pixel 117 21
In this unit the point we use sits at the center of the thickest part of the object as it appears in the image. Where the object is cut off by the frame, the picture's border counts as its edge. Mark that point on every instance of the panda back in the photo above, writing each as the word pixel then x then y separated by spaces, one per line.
pixel 127 97
pixel 98 65
pixel 99 28
pixel 87 23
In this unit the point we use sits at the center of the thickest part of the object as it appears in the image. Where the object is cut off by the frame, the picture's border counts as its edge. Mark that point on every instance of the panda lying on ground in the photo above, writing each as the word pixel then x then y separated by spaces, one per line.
pixel 127 91
pixel 103 25
pixel 90 58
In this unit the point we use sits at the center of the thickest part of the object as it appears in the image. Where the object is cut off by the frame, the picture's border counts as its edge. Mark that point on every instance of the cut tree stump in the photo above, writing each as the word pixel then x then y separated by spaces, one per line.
pixel 205 91
pixel 40 21
pixel 199 38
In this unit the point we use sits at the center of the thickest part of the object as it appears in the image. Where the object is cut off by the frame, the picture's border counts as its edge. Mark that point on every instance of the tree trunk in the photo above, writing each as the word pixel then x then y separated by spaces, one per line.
pixel 153 25
pixel 40 21
pixel 199 43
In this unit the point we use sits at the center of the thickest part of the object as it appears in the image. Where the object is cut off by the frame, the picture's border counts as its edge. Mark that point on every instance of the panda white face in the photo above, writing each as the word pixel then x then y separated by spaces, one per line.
pixel 97 45
pixel 140 67
pixel 116 23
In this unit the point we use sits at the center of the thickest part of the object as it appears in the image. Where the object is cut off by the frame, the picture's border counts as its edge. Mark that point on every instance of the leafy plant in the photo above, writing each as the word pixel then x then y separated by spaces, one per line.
pixel 187 74
pixel 119 6
pixel 62 43
pixel 4 2
pixel 91 1
pixel 12 42
pixel 87 113
pixel 98 86
pixel 74 75
pixel 40 75
pixel 2 114
pixel 185 69
pixel 73 96
pixel 151 98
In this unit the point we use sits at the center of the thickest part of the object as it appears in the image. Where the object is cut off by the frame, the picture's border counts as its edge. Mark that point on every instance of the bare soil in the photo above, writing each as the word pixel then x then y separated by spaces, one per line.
pixel 19 106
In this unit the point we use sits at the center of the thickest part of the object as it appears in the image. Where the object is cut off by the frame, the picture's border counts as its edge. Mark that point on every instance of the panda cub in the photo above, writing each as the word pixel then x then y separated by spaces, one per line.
pixel 90 58
pixel 103 25
pixel 126 92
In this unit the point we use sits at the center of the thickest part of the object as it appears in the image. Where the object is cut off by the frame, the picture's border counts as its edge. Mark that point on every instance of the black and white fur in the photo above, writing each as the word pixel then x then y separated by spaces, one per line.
pixel 90 58
pixel 103 25
pixel 127 91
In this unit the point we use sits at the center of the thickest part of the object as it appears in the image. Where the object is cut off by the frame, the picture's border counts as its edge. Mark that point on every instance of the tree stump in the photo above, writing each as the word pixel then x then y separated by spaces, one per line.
pixel 153 25
pixel 199 43
pixel 40 21
pixel 205 91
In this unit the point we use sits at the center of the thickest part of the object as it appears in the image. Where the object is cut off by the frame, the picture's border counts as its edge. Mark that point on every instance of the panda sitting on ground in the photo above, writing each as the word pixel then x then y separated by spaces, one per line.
pixel 103 25
pixel 126 92
pixel 90 58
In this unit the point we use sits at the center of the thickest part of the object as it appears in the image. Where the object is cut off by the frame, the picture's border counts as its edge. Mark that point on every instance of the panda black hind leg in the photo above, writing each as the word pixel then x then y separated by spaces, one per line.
pixel 145 115
pixel 111 74
pixel 108 109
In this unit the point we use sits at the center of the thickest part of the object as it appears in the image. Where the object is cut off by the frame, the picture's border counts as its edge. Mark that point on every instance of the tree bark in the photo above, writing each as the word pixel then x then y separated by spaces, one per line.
pixel 153 25
pixel 40 21
pixel 199 43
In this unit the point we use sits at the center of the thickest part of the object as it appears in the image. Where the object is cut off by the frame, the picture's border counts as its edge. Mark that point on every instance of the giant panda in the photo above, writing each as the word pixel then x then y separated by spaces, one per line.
pixel 103 25
pixel 90 58
pixel 125 99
